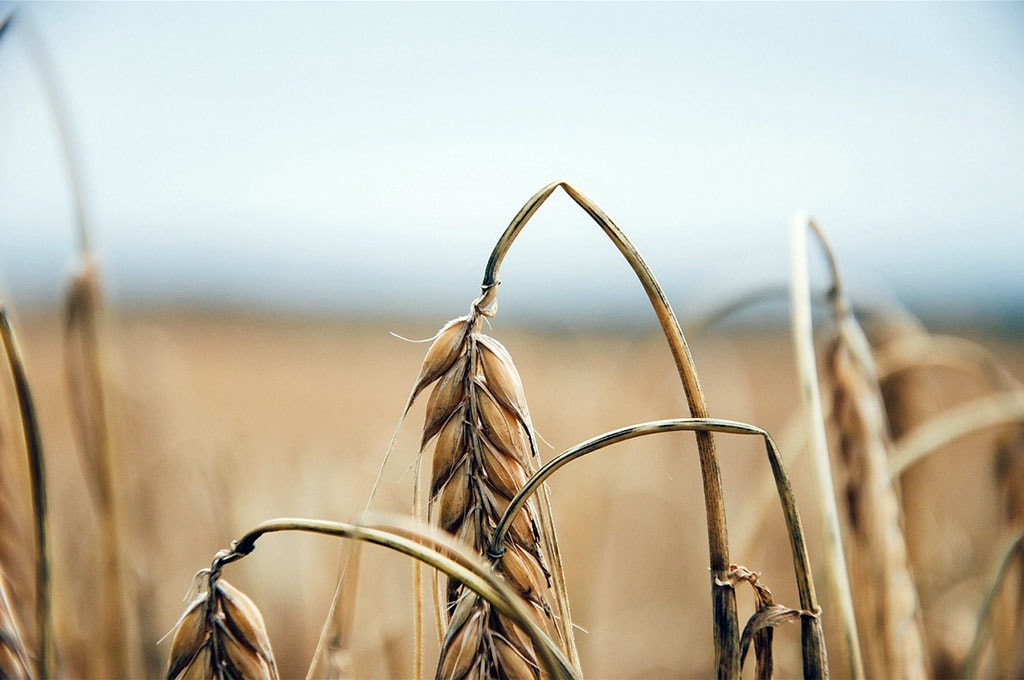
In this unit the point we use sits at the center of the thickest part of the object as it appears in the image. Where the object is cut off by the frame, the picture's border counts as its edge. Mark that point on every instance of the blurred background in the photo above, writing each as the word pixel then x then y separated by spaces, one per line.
pixel 361 159
pixel 271 188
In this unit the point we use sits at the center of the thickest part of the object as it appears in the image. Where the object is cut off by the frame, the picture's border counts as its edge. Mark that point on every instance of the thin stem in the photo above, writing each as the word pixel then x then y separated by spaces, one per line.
pixel 724 619
pixel 984 628
pixel 928 437
pixel 65 136
pixel 37 474
pixel 815 661
pixel 803 342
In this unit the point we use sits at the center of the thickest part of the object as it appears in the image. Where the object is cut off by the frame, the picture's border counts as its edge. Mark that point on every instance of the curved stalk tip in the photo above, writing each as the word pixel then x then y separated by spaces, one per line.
pixel 724 619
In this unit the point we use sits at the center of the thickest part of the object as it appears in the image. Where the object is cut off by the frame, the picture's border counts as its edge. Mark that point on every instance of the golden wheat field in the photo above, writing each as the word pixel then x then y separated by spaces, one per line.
pixel 221 421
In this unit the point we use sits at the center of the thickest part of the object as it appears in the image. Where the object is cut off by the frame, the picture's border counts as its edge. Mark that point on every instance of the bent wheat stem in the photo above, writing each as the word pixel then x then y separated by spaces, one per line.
pixel 814 656
pixel 724 619
pixel 433 548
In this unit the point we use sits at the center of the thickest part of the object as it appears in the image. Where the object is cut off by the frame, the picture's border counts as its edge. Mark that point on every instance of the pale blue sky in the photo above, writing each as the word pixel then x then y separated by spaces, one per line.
pixel 368 155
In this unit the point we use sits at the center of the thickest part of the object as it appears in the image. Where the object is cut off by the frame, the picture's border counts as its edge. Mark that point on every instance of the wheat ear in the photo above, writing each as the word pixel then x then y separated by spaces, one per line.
pixel 483 454
pixel 84 375
pixel 889 615
pixel 221 636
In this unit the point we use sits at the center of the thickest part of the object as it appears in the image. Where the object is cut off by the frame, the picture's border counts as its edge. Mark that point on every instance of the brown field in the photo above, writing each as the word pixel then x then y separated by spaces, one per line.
pixel 222 421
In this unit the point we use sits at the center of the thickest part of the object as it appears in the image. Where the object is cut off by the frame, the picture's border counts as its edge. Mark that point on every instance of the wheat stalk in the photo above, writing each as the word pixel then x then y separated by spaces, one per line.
pixel 983 631
pixel 815 660
pixel 724 620
pixel 810 397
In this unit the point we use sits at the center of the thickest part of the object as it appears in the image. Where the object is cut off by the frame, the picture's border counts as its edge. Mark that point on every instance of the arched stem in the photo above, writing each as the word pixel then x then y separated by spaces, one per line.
pixel 725 623
pixel 815 660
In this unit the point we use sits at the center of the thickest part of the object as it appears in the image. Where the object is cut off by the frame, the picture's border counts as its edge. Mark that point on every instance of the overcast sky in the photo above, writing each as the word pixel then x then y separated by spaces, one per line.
pixel 367 156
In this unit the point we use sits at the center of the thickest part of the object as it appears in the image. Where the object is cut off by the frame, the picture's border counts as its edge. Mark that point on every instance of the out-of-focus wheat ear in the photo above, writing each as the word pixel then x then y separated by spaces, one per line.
pixel 14 663
pixel 84 375
pixel 37 481
pixel 888 613
pixel 221 636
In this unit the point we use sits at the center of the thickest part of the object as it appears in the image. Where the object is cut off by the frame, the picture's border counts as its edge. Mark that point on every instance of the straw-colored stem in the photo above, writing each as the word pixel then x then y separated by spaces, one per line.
pixel 983 629
pixel 815 660
pixel 724 619
pixel 433 548
pixel 810 394
pixel 978 414
pixel 46 73
pixel 37 475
